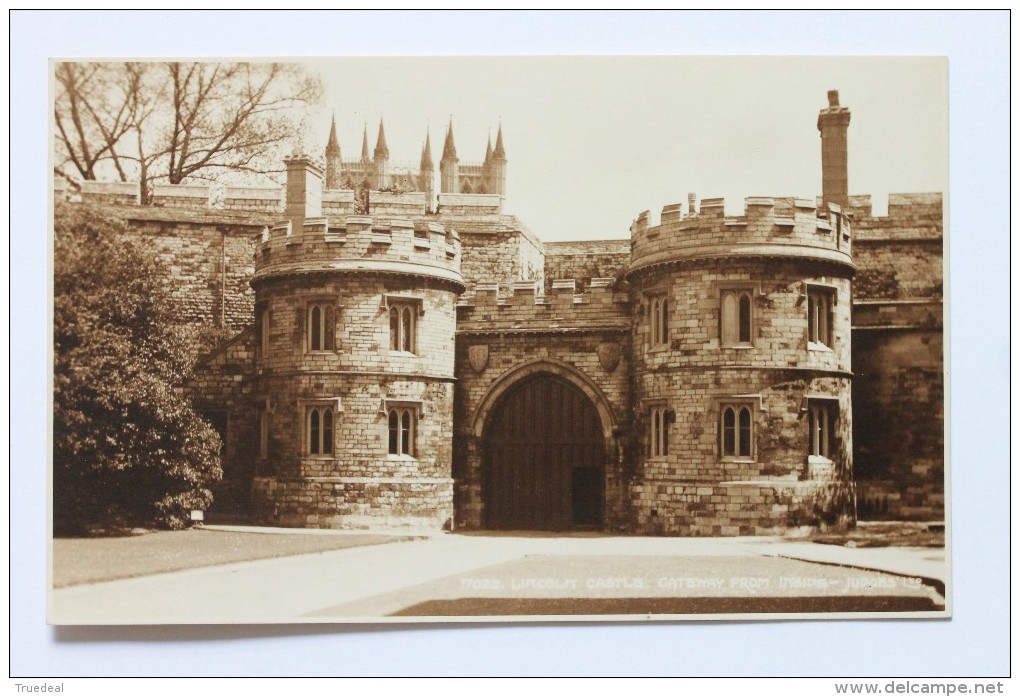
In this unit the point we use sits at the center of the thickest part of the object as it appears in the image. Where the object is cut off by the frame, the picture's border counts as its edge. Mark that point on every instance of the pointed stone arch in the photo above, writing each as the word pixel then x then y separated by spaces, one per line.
pixel 551 366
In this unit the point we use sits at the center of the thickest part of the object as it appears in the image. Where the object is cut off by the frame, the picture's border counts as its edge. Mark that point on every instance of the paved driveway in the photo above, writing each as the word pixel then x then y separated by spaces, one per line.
pixel 503 575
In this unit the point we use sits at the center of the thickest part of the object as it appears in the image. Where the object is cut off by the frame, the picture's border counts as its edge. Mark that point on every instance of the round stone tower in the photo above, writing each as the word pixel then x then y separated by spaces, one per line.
pixel 742 368
pixel 355 324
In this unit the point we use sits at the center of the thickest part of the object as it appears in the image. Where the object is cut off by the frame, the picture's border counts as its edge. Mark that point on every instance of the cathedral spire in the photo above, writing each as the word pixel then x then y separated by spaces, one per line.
pixel 382 151
pixel 499 154
pixel 333 146
pixel 333 162
pixel 426 153
pixel 449 149
pixel 488 149
pixel 364 144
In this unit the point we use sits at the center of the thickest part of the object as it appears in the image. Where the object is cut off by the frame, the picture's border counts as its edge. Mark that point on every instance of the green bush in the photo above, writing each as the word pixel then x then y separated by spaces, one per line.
pixel 128 449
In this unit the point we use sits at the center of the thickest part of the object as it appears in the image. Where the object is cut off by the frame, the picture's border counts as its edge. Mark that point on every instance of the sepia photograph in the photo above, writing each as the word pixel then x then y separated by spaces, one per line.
pixel 405 343
pixel 422 339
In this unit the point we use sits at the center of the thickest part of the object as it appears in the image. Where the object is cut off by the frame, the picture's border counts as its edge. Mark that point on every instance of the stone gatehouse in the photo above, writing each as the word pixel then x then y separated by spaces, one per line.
pixel 403 358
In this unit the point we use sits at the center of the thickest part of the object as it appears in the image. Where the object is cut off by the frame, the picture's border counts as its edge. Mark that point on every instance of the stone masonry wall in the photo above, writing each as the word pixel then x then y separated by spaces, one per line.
pixel 223 383
pixel 210 257
pixel 899 430
pixel 360 378
pixel 368 504
pixel 694 377
pixel 898 394
pixel 898 269
pixel 584 260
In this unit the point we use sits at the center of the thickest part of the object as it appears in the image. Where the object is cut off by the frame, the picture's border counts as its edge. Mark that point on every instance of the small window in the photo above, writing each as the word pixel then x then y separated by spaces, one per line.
pixel 736 431
pixel 401 426
pixel 658 433
pixel 658 320
pixel 820 303
pixel 320 430
pixel 403 326
pixel 822 416
pixel 321 326
pixel 735 318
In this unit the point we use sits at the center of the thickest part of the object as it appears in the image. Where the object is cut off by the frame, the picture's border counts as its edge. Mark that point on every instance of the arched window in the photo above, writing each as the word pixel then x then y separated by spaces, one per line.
pixel 316 328
pixel 658 321
pixel 403 326
pixel 664 319
pixel 406 329
pixel 394 329
pixel 736 431
pixel 821 427
pixel 320 431
pixel 820 304
pixel 735 318
pixel 655 321
pixel 658 436
pixel 321 326
pixel 745 318
pixel 401 425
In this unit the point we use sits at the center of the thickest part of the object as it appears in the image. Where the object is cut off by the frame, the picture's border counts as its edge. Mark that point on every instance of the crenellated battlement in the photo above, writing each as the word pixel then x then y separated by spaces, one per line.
pixel 908 216
pixel 522 307
pixel 770 227
pixel 359 244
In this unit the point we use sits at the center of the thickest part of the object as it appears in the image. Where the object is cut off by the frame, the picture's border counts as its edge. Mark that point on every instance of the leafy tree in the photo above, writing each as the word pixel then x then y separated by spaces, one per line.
pixel 177 121
pixel 128 449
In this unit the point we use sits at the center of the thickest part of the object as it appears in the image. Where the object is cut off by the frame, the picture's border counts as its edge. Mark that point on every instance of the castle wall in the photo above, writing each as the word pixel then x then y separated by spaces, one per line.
pixel 899 446
pixel 522 316
pixel 209 256
pixel 584 260
pixel 899 429
pixel 497 249
pixel 222 388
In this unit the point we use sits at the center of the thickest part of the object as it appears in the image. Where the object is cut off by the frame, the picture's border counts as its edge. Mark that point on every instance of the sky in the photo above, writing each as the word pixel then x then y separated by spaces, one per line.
pixel 593 141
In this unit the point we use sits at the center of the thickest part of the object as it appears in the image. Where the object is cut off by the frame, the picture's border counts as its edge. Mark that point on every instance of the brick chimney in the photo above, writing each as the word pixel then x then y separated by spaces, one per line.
pixel 833 122
pixel 304 189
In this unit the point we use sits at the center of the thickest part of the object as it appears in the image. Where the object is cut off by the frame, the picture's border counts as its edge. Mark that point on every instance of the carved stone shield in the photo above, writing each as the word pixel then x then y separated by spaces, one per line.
pixel 478 357
pixel 609 356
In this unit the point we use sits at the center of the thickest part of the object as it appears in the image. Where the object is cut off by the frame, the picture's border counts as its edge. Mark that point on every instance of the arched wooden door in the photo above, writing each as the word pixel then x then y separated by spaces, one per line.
pixel 543 459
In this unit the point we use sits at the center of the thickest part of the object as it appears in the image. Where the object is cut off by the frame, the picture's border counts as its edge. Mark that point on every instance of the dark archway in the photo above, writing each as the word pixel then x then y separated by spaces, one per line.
pixel 543 458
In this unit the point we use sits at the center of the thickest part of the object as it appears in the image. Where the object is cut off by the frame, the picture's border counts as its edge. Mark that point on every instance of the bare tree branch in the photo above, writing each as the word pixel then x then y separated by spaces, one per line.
pixel 178 121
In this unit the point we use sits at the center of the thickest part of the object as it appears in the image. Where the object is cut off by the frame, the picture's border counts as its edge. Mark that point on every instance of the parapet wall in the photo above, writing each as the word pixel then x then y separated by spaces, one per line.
pixel 470 203
pixel 344 202
pixel 271 199
pixel 208 254
pixel 770 227
pixel 587 259
pixel 522 307
pixel 360 244
pixel 900 254
pixel 116 193
pixel 909 216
